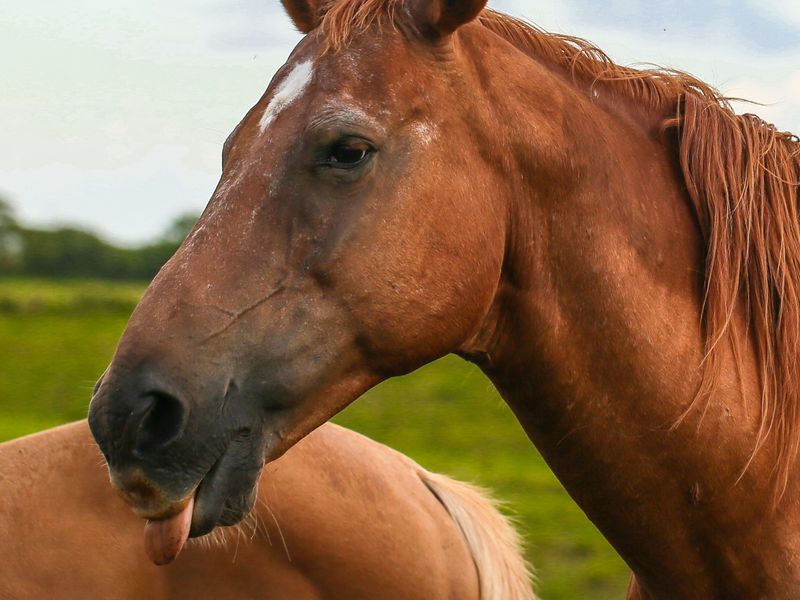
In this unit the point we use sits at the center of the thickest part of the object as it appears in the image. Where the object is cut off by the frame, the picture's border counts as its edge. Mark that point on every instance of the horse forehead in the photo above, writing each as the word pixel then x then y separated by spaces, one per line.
pixel 338 78
pixel 290 89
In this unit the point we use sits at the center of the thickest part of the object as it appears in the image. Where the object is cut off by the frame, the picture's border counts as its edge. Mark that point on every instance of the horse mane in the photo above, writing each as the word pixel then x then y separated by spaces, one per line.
pixel 742 176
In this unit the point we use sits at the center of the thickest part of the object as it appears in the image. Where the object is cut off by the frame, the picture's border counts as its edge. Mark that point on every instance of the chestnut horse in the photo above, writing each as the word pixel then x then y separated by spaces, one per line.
pixel 615 248
pixel 339 516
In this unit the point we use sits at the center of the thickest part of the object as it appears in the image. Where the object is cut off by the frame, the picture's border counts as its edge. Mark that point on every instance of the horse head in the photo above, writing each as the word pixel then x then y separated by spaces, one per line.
pixel 357 232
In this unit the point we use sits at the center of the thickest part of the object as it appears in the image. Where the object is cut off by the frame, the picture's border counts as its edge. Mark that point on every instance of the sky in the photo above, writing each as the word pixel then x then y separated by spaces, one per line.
pixel 113 114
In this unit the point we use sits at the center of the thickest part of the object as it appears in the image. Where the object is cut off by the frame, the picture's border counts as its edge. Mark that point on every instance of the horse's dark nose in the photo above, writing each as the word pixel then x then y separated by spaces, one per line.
pixel 161 423
pixel 131 425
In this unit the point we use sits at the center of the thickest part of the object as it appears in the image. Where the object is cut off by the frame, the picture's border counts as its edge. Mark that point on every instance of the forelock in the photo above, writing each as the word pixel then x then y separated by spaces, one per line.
pixel 344 19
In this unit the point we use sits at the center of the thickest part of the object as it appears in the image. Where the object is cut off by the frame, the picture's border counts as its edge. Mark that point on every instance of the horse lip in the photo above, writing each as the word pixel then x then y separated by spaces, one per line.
pixel 170 511
pixel 200 500
pixel 136 489
pixel 148 500
pixel 215 500
pixel 152 502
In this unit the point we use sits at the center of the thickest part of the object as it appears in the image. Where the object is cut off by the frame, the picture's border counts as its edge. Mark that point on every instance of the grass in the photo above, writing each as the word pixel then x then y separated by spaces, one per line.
pixel 80 296
pixel 57 337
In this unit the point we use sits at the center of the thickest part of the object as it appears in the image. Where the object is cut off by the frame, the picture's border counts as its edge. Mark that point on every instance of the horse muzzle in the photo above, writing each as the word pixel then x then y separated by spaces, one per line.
pixel 165 451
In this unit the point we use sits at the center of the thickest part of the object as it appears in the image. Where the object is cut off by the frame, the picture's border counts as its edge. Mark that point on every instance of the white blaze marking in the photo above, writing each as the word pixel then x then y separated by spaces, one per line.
pixel 288 91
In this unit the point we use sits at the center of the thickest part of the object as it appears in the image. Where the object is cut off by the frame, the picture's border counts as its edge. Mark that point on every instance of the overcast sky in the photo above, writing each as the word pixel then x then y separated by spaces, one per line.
pixel 113 114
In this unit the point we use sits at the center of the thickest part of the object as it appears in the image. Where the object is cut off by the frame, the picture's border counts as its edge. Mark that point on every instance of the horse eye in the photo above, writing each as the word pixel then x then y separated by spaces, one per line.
pixel 347 155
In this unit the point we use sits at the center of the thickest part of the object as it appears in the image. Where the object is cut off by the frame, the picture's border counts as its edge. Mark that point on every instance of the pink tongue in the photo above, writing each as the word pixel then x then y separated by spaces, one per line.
pixel 163 540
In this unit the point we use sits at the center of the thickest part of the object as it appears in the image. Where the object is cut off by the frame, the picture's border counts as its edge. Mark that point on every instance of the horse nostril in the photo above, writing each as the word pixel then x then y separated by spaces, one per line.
pixel 161 424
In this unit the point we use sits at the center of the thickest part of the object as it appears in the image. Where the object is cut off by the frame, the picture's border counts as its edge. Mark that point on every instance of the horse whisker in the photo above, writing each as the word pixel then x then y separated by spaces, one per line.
pixel 280 532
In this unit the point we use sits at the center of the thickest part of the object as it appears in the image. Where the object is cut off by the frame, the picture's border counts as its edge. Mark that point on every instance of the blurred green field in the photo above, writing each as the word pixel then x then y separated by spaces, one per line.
pixel 57 337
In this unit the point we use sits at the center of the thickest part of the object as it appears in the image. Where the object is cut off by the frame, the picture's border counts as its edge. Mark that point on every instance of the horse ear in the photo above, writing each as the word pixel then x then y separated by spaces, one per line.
pixel 443 17
pixel 305 14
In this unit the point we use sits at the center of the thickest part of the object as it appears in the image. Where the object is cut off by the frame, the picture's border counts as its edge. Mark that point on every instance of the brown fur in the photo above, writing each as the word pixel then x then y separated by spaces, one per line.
pixel 612 247
pixel 742 175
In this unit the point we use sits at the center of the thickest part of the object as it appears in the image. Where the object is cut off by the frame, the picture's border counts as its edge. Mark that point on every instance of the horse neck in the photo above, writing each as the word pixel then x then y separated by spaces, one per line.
pixel 595 342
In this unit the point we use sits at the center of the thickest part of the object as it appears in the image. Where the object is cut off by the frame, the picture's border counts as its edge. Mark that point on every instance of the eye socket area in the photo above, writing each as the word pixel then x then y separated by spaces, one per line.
pixel 348 153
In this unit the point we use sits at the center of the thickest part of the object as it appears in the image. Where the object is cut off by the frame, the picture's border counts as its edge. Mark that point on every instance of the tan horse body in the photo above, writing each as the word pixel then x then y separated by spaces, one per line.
pixel 340 516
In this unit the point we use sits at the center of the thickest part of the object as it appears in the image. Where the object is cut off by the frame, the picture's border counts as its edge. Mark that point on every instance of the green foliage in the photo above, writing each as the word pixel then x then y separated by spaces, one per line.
pixel 179 229
pixel 10 240
pixel 69 252
pixel 447 416
pixel 7 220
pixel 76 253
pixel 64 252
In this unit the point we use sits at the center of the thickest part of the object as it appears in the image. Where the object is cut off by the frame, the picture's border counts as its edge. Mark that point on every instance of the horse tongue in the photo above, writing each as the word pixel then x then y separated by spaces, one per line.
pixel 163 540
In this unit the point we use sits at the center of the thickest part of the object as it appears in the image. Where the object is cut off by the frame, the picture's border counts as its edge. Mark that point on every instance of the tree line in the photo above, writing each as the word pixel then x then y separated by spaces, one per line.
pixel 71 252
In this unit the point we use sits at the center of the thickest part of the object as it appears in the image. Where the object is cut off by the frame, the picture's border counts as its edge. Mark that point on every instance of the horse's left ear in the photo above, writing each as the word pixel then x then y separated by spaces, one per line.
pixel 443 17
pixel 305 14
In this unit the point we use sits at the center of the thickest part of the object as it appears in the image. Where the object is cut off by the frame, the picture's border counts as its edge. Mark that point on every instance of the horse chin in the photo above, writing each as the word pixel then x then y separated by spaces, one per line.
pixel 227 494
pixel 213 511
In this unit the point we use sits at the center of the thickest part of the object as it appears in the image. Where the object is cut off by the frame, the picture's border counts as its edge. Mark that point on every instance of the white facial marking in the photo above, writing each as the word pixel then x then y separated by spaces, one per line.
pixel 288 91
